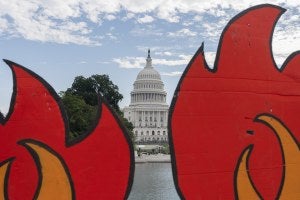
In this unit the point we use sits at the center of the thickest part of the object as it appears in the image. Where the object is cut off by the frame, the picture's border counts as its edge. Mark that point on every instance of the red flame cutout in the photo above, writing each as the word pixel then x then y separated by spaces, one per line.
pixel 99 164
pixel 212 116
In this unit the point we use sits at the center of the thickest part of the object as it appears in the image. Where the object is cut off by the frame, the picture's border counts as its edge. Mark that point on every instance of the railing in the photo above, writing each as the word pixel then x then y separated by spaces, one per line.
pixel 151 142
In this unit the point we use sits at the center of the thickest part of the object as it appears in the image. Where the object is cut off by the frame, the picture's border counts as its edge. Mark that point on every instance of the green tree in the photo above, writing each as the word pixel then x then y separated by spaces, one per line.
pixel 81 102
pixel 88 88
pixel 128 125
pixel 80 114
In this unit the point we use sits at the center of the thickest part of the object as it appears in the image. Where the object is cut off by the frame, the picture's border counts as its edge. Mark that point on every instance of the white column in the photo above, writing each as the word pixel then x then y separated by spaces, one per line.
pixel 152 116
pixel 166 118
pixel 158 118
pixel 134 118
pixel 155 117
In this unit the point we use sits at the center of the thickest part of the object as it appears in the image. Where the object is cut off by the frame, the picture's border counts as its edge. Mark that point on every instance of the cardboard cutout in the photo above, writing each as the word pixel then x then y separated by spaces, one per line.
pixel 235 128
pixel 38 161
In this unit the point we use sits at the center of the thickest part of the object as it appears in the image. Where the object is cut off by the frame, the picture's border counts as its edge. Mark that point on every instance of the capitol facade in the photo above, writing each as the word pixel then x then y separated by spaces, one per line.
pixel 148 110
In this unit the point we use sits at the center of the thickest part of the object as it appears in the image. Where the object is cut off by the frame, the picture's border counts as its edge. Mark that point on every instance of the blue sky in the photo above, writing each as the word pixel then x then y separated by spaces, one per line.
pixel 62 39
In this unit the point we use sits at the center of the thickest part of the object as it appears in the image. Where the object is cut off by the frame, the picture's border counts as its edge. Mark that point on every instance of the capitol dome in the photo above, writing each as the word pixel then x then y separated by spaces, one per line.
pixel 148 110
pixel 148 72
pixel 148 86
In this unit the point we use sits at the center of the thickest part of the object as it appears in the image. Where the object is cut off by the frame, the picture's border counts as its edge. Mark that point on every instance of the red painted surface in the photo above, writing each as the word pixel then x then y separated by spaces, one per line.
pixel 213 110
pixel 99 165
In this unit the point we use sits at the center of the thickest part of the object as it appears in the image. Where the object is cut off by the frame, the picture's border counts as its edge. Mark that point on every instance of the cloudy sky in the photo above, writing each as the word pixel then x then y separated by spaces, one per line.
pixel 63 39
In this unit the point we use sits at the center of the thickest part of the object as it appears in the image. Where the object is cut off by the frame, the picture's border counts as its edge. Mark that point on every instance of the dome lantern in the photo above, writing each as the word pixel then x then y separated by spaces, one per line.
pixel 148 60
pixel 148 72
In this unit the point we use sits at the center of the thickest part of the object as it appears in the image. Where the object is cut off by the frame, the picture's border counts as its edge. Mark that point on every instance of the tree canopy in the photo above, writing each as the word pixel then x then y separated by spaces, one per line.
pixel 81 102
pixel 80 114
pixel 88 88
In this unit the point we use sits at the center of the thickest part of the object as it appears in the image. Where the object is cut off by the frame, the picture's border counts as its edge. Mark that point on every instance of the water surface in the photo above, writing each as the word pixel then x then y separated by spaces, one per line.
pixel 153 181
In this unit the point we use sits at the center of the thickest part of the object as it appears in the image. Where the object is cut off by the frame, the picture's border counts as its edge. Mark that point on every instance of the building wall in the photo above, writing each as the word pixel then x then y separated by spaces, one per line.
pixel 150 124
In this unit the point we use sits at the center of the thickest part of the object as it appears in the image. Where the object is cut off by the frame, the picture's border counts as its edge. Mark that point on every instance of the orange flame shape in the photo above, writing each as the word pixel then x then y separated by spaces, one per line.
pixel 291 163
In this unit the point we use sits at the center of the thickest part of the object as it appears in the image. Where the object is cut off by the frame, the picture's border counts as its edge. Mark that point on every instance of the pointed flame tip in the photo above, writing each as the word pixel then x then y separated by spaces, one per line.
pixel 12 64
pixel 201 49
pixel 8 62
pixel 7 161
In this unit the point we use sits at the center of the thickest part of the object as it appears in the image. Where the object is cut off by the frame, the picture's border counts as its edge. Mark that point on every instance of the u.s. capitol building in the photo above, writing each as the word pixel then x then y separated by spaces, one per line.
pixel 148 110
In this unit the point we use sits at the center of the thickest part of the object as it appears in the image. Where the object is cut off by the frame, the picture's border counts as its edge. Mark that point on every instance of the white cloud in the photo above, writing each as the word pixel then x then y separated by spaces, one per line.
pixel 175 73
pixel 139 62
pixel 286 36
pixel 167 48
pixel 145 19
pixel 210 58
pixel 130 62
pixel 185 57
pixel 182 33
pixel 188 23
pixel 104 62
pixel 110 17
pixel 3 110
pixel 152 48
pixel 168 62
pixel 3 24
pixel 212 31
pixel 111 36
pixel 147 30
pixel 58 9
pixel 72 21
pixel 164 53
pixel 128 16
pixel 198 18
pixel 167 53
pixel 93 9
pixel 45 21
